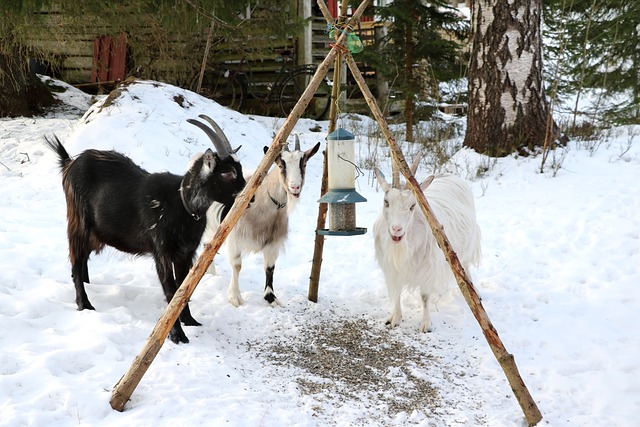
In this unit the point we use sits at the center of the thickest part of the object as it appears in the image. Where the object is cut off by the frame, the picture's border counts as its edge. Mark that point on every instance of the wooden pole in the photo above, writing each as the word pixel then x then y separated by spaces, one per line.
pixel 506 360
pixel 127 384
pixel 318 247
pixel 205 56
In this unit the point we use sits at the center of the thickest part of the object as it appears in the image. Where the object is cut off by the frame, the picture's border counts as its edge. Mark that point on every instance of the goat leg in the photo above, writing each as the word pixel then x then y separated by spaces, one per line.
pixel 78 273
pixel 187 318
pixel 177 335
pixel 270 256
pixel 269 296
pixel 233 293
pixel 395 293
pixel 425 326
pixel 85 271
pixel 181 270
pixel 165 274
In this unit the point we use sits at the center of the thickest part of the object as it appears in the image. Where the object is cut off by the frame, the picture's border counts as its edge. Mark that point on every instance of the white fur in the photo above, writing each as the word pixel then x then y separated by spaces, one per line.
pixel 413 259
pixel 264 226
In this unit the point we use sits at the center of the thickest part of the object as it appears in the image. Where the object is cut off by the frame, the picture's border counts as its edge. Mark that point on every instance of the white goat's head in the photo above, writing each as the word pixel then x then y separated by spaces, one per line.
pixel 399 206
pixel 293 165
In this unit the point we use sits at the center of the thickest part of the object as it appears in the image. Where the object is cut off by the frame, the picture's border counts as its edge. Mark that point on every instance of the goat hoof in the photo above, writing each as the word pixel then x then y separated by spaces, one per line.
pixel 426 329
pixel 393 321
pixel 272 300
pixel 236 300
pixel 85 306
pixel 191 322
pixel 390 324
pixel 178 337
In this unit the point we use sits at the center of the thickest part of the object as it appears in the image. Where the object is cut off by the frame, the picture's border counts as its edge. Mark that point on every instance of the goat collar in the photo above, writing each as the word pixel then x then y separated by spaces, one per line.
pixel 277 203
pixel 186 207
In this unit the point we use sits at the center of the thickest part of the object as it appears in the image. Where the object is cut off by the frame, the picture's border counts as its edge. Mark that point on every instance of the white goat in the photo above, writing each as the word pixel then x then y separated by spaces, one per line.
pixel 264 226
pixel 406 249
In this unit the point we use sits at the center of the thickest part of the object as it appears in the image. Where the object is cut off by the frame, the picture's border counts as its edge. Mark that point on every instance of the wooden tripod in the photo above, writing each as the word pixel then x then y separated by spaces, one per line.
pixel 130 380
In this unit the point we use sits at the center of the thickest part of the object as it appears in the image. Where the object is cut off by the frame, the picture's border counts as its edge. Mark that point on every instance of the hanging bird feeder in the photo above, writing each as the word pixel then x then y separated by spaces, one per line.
pixel 342 195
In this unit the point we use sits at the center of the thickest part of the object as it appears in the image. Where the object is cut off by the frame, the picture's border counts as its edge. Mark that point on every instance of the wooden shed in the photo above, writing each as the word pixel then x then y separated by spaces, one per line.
pixel 90 56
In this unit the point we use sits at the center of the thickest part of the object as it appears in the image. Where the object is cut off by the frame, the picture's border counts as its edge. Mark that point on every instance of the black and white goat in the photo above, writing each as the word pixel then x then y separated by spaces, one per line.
pixel 113 202
pixel 406 249
pixel 265 225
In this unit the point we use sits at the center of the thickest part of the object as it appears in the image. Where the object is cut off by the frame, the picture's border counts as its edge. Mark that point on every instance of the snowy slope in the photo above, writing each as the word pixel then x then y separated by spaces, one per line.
pixel 559 279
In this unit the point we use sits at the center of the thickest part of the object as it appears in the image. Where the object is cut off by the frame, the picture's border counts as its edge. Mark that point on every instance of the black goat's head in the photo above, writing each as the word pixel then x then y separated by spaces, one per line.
pixel 212 177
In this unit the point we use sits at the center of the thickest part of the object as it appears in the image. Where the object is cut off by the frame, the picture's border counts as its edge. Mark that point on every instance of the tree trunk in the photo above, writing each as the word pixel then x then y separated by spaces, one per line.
pixel 636 90
pixel 507 111
pixel 382 85
pixel 21 92
pixel 408 101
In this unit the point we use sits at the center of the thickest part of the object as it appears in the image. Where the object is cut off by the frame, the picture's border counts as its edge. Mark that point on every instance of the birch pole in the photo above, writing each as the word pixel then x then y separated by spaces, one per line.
pixel 318 247
pixel 506 360
pixel 124 388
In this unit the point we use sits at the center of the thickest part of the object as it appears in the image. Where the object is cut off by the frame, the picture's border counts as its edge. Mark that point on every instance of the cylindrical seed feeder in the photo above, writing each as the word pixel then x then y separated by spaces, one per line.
pixel 342 195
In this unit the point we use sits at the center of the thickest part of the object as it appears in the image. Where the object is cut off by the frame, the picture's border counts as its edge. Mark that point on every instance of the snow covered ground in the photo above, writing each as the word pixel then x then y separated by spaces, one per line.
pixel 559 278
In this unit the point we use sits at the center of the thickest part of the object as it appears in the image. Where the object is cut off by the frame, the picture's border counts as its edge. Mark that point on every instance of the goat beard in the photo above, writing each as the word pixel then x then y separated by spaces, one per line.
pixel 398 254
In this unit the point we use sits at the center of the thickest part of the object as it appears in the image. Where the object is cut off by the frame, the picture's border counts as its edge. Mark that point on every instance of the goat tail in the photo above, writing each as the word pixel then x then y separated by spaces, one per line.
pixel 56 146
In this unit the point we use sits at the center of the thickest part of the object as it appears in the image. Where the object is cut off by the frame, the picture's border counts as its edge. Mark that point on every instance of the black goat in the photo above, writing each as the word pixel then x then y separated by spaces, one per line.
pixel 112 201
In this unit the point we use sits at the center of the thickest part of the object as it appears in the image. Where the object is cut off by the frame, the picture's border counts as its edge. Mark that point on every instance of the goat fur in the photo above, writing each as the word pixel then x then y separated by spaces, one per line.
pixel 111 201
pixel 264 226
pixel 406 249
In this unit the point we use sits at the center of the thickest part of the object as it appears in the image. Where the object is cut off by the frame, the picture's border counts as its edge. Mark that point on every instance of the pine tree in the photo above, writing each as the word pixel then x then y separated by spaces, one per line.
pixel 423 40
pixel 596 46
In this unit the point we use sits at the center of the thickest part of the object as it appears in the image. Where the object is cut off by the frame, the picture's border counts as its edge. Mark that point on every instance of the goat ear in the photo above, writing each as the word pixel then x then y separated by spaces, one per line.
pixel 428 180
pixel 311 151
pixel 382 181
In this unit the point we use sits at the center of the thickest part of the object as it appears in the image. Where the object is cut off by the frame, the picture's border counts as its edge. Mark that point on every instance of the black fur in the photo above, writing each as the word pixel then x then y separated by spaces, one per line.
pixel 269 296
pixel 112 201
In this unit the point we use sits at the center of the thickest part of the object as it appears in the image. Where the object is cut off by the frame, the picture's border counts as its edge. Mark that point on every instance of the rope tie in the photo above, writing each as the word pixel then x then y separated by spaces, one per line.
pixel 353 43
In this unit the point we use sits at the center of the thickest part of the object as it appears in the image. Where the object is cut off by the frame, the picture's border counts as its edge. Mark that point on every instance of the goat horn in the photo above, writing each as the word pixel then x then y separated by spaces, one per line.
pixel 297 147
pixel 216 128
pixel 219 131
pixel 222 148
pixel 416 163
pixel 395 177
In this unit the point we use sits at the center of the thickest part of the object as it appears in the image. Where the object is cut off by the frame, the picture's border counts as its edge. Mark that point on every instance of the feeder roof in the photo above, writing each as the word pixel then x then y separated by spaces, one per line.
pixel 342 196
pixel 339 135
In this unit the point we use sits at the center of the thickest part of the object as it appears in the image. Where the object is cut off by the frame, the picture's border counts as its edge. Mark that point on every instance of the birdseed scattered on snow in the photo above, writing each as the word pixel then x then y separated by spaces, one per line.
pixel 346 359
